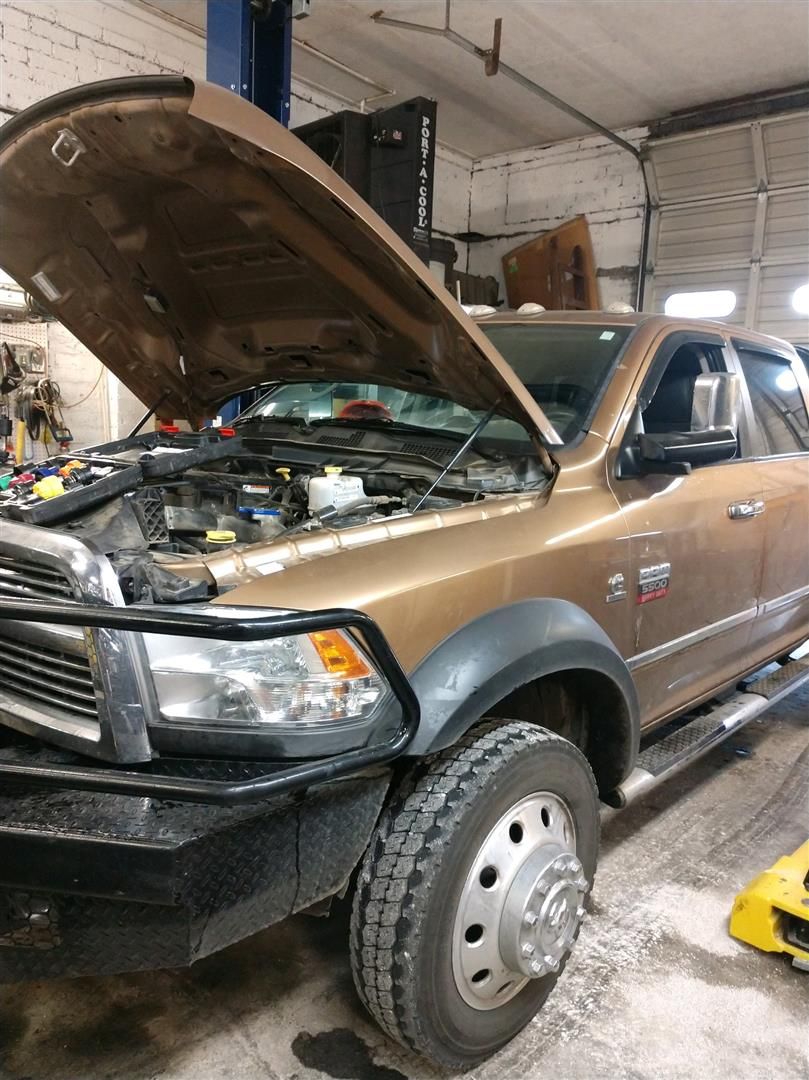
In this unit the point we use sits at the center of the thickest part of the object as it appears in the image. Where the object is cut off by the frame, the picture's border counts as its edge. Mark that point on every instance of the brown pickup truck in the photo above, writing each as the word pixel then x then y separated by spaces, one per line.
pixel 445 582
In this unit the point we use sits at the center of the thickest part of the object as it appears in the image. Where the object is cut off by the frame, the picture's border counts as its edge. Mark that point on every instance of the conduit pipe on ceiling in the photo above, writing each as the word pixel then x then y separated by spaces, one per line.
pixel 494 66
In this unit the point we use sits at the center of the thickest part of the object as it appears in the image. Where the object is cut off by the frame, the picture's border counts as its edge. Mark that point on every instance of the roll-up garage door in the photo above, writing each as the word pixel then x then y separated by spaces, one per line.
pixel 732 217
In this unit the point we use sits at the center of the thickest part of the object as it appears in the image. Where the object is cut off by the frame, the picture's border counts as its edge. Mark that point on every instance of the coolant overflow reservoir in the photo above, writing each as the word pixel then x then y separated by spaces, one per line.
pixel 334 489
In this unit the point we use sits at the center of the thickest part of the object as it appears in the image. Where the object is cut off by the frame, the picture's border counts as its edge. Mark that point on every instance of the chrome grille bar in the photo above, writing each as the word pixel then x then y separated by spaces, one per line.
pixel 21 577
pixel 80 703
pixel 36 666
pixel 96 702
pixel 63 660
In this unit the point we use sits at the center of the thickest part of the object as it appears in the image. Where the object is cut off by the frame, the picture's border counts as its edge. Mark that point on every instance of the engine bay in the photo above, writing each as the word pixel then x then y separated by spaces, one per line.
pixel 155 501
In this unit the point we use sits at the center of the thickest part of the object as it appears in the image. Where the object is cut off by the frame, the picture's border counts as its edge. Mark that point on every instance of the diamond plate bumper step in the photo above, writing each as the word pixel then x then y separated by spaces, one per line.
pixel 697 736
pixel 98 883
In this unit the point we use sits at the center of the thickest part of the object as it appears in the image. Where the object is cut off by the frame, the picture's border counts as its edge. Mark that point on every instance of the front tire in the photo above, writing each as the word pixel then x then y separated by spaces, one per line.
pixel 472 891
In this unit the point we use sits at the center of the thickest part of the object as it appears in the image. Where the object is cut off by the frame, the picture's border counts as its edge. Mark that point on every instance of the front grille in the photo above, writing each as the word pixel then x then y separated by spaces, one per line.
pixel 21 579
pixel 83 690
pixel 45 674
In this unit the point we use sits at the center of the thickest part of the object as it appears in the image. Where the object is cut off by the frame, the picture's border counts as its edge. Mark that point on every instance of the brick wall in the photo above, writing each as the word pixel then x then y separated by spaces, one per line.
pixel 46 47
pixel 518 195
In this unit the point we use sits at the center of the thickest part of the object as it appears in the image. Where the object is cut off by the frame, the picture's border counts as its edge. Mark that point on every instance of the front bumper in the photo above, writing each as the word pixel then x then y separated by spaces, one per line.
pixel 107 869
pixel 96 883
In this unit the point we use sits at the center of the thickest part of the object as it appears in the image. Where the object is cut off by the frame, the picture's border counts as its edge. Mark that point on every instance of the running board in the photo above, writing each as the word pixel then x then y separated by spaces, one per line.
pixel 665 758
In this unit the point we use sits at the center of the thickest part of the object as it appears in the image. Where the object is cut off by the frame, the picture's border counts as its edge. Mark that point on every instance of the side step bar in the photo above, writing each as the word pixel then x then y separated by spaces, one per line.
pixel 665 758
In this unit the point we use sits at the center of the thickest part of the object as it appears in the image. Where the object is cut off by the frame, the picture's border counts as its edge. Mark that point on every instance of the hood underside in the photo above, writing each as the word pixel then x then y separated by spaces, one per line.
pixel 198 248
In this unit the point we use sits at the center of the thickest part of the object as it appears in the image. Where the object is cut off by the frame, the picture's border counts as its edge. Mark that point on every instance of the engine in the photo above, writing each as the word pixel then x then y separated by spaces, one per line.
pixel 152 502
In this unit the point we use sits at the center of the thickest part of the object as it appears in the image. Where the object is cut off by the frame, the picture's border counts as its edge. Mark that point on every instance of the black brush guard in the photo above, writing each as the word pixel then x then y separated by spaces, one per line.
pixel 282 780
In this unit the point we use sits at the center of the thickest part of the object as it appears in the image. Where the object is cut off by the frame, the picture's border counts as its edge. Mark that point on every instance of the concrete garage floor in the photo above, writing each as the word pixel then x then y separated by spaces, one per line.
pixel 656 988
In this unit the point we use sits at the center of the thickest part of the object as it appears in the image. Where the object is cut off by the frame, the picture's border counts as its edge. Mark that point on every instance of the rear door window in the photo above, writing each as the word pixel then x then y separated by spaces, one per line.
pixel 777 401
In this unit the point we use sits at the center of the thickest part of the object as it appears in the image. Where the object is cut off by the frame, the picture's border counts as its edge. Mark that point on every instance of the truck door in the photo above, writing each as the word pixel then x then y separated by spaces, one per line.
pixel 696 543
pixel 778 389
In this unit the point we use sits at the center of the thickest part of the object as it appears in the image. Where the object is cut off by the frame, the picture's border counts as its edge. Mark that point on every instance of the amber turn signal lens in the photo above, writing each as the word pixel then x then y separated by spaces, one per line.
pixel 338 656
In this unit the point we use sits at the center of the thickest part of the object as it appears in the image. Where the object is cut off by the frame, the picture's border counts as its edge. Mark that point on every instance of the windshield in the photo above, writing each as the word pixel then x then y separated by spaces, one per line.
pixel 562 366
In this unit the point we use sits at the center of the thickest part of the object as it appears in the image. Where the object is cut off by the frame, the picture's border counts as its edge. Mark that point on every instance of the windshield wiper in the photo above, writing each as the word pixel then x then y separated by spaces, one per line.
pixel 298 421
pixel 390 426
pixel 396 427
pixel 479 426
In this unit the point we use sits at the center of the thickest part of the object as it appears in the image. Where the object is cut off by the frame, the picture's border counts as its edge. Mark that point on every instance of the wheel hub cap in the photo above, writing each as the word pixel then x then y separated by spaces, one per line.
pixel 542 912
pixel 521 905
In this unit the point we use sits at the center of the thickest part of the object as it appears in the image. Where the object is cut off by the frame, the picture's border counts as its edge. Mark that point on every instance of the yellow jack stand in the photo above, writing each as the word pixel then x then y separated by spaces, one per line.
pixel 772 912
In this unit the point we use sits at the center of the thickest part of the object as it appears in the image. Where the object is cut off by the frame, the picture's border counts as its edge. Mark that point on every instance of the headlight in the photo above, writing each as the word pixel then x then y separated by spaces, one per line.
pixel 308 681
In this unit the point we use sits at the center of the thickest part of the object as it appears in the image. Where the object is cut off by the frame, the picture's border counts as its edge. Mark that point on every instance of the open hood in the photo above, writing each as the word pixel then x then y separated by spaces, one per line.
pixel 199 248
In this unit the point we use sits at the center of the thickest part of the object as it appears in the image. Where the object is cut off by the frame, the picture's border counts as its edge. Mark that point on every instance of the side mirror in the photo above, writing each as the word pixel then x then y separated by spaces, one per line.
pixel 675 453
pixel 716 402
pixel 712 438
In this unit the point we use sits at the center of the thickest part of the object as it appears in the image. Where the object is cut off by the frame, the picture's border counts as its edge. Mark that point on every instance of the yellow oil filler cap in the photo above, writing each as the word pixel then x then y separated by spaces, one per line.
pixel 220 536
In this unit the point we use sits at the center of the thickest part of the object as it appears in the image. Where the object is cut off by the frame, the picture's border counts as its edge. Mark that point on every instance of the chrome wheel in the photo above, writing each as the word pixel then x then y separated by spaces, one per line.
pixel 521 905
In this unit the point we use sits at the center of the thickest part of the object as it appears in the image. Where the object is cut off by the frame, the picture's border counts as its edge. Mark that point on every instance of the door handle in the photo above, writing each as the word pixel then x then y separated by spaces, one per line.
pixel 749 508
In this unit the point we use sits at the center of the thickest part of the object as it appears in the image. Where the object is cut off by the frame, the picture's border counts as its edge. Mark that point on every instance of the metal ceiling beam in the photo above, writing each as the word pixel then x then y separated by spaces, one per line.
pixel 485 55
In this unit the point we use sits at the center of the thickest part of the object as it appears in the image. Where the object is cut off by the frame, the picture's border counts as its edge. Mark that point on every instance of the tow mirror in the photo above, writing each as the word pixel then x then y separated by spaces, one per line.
pixel 712 438
pixel 676 452
pixel 716 402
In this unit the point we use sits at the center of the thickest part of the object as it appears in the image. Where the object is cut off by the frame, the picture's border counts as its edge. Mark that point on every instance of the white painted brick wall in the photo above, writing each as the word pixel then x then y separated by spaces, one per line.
pixel 518 195
pixel 77 372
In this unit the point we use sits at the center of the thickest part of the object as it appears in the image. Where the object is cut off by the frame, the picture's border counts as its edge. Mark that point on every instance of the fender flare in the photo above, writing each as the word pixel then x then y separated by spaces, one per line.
pixel 483 661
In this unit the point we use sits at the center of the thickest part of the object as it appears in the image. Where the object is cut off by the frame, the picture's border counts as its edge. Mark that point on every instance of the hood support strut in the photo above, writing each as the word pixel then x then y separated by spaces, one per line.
pixel 148 415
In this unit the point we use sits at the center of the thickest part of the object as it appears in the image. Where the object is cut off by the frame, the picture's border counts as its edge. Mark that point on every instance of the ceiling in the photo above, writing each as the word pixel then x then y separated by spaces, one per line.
pixel 624 62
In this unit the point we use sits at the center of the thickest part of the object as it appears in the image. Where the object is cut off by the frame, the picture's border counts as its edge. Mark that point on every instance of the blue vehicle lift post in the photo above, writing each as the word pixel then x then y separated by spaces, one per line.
pixel 250 53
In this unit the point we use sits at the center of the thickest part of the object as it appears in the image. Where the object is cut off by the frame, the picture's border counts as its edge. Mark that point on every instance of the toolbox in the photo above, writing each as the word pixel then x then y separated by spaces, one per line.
pixel 107 479
pixel 161 453
pixel 68 484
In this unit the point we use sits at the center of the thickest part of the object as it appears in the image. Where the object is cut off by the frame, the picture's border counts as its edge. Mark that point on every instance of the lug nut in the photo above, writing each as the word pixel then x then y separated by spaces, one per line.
pixel 543 888
pixel 551 963
pixel 528 949
pixel 581 883
pixel 536 967
pixel 580 912
pixel 531 918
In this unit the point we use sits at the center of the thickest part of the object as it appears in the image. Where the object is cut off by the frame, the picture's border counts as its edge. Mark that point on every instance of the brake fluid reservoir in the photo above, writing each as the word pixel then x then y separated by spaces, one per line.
pixel 334 489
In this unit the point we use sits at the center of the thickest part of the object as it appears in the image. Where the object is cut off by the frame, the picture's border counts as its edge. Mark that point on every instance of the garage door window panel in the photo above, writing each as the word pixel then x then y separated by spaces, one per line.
pixel 711 304
pixel 730 213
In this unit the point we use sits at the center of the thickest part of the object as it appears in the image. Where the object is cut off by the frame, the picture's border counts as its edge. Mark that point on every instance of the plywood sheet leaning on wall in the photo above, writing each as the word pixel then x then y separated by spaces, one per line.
pixel 555 269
